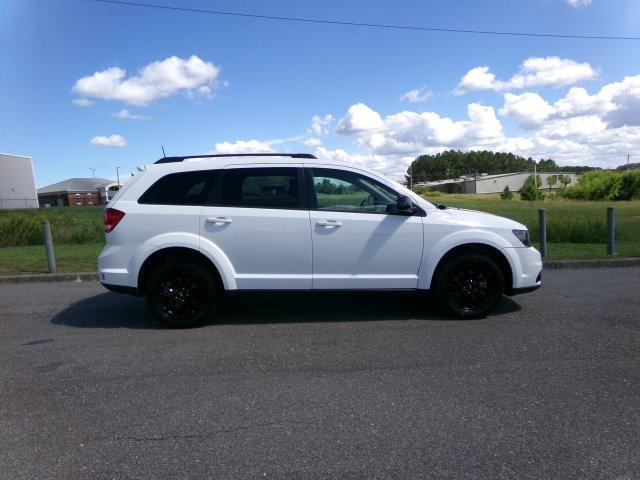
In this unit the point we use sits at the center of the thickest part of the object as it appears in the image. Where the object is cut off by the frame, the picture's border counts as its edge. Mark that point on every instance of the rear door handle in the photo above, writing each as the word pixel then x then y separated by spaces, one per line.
pixel 218 220
pixel 328 223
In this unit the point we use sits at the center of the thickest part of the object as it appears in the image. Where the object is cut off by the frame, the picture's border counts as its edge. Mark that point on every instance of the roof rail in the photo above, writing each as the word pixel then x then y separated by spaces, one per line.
pixel 292 155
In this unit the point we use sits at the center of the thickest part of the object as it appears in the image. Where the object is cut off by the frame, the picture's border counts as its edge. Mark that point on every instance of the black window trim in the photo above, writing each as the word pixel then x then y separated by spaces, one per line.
pixel 313 199
pixel 214 198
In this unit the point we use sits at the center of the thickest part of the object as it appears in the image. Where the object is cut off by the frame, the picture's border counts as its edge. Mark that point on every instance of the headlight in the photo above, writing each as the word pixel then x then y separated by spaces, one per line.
pixel 523 236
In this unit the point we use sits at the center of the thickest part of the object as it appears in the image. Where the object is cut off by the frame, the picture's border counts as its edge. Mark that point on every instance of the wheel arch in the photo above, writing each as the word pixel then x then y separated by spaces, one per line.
pixel 477 247
pixel 169 253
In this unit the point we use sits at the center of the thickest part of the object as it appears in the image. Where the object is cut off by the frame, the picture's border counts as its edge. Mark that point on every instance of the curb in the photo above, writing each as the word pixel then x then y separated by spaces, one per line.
pixel 56 277
pixel 597 263
pixel 547 264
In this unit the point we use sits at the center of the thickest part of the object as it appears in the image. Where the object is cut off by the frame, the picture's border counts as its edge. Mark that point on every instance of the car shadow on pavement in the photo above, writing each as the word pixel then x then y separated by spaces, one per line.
pixel 110 310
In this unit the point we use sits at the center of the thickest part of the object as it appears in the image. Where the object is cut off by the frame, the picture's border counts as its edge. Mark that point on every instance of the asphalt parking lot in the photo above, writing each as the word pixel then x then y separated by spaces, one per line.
pixel 323 386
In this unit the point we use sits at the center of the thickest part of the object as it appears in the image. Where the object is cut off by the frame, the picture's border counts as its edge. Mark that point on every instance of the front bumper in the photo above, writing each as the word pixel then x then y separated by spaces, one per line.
pixel 526 266
pixel 518 291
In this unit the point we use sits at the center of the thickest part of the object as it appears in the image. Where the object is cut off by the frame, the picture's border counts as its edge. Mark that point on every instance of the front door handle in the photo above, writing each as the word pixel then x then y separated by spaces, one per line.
pixel 328 223
pixel 215 220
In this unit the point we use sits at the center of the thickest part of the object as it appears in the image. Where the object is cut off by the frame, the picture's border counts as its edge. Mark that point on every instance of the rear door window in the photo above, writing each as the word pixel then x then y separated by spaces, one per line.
pixel 272 187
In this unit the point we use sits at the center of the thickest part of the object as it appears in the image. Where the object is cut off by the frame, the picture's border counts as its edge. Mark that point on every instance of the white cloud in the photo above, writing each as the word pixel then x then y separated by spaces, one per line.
pixel 394 166
pixel 616 103
pixel 160 79
pixel 554 71
pixel 82 102
pixel 411 132
pixel 243 146
pixel 622 100
pixel 578 128
pixel 313 142
pixel 125 114
pixel 529 108
pixel 417 95
pixel 578 3
pixel 321 125
pixel 534 72
pixel 359 118
pixel 113 141
pixel 578 102
pixel 478 78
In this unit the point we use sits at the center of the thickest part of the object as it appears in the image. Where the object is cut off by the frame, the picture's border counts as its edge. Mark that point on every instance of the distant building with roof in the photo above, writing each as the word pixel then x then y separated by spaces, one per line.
pixel 17 182
pixel 484 183
pixel 77 192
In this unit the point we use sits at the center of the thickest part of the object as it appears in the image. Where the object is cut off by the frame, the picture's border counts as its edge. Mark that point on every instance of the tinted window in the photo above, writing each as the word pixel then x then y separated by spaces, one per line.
pixel 184 188
pixel 260 187
pixel 344 191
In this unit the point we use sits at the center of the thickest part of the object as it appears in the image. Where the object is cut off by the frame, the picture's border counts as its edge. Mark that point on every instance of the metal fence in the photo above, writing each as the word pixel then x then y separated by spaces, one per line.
pixel 8 203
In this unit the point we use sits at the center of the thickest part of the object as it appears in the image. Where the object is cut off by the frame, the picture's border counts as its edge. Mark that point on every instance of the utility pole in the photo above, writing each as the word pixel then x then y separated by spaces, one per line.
pixel 118 175
pixel 93 172
pixel 535 173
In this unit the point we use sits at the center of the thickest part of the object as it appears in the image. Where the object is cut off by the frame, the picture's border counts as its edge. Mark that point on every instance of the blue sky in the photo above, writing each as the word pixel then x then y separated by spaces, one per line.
pixel 261 83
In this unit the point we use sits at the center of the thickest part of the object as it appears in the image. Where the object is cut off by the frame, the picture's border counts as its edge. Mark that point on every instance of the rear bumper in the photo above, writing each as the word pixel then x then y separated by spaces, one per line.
pixel 118 265
pixel 122 289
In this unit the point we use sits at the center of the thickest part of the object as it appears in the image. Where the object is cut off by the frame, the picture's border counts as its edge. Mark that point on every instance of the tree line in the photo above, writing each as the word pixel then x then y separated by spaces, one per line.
pixel 454 164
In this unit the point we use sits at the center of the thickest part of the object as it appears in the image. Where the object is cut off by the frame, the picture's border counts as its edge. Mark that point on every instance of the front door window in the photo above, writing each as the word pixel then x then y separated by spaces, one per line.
pixel 344 191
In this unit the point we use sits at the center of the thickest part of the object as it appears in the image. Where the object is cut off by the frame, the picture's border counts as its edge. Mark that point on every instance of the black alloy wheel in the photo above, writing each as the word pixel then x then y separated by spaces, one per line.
pixel 181 293
pixel 470 285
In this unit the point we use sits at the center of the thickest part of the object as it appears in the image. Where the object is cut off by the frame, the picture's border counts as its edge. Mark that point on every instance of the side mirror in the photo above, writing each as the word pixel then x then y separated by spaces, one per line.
pixel 405 205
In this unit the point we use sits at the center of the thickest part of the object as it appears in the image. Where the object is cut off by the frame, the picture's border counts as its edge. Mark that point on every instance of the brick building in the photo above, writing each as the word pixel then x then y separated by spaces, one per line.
pixel 77 192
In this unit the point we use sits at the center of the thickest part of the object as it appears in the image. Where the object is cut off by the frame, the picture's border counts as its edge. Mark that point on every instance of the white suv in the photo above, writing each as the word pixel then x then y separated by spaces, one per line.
pixel 186 229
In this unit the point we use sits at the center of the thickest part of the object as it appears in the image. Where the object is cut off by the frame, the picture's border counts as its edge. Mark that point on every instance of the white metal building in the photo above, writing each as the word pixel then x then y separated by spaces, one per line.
pixel 496 183
pixel 17 182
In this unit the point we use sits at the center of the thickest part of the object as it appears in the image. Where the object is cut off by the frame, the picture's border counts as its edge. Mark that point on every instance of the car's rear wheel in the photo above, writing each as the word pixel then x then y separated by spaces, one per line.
pixel 181 293
pixel 469 285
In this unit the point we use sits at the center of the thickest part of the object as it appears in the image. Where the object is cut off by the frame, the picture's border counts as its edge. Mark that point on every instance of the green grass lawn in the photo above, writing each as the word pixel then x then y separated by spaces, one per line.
pixel 33 259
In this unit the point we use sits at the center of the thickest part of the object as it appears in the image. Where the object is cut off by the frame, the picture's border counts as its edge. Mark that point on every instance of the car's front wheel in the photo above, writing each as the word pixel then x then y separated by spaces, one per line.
pixel 181 293
pixel 469 285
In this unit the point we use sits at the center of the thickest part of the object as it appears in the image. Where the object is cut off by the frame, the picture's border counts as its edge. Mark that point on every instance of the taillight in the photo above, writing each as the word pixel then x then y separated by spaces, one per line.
pixel 111 218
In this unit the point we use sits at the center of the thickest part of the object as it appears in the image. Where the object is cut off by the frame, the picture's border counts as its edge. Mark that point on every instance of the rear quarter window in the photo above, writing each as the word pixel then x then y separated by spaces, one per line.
pixel 182 188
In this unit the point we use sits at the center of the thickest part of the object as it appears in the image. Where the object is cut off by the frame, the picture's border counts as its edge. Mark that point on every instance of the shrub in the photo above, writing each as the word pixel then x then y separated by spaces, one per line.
pixel 529 190
pixel 506 193
pixel 422 190
pixel 605 186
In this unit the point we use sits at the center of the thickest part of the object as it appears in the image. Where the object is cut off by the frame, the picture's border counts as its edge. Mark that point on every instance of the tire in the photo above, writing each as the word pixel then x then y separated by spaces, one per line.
pixel 181 293
pixel 469 285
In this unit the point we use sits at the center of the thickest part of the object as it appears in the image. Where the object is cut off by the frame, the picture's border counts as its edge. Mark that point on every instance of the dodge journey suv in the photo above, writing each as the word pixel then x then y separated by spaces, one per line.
pixel 185 230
